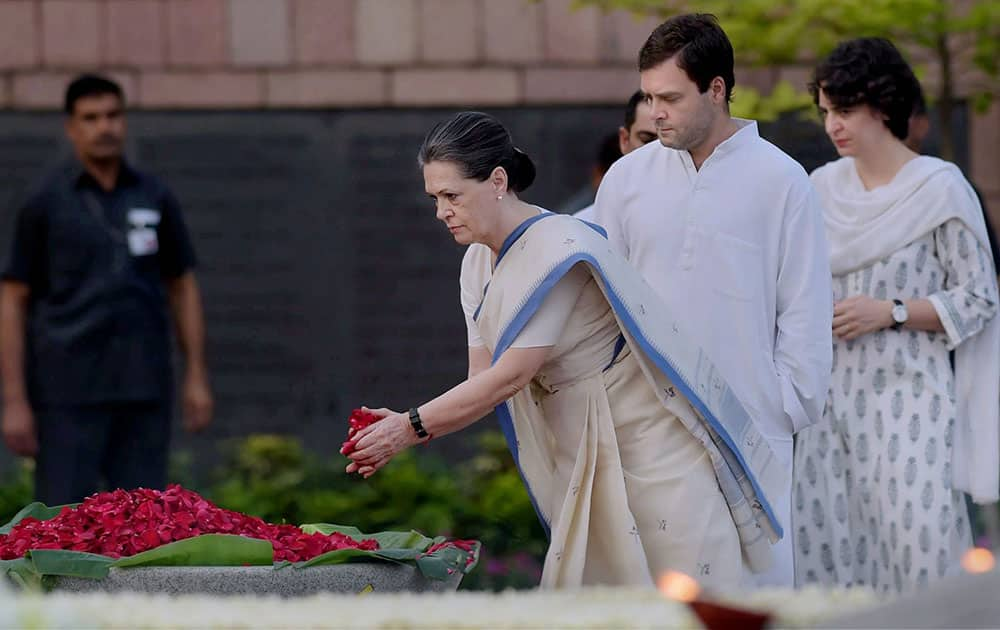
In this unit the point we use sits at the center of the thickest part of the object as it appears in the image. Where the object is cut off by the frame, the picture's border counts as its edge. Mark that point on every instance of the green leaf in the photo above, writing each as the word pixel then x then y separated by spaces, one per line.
pixel 207 550
pixel 402 540
pixel 982 102
pixel 446 561
pixel 22 572
pixel 35 510
pixel 70 563
pixel 443 563
pixel 398 555
pixel 338 556
pixel 386 540
pixel 229 550
pixel 328 528
pixel 395 547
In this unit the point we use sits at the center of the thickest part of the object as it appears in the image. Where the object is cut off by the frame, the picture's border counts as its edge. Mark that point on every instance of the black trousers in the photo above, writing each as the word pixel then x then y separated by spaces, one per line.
pixel 122 444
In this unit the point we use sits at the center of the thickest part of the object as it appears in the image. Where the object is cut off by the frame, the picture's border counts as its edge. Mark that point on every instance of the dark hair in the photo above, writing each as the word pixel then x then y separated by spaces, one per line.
pixel 630 109
pixel 919 103
pixel 477 143
pixel 869 71
pixel 702 49
pixel 608 152
pixel 90 85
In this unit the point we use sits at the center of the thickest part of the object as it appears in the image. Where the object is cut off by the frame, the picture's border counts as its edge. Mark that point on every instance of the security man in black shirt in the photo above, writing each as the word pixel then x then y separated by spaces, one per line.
pixel 99 251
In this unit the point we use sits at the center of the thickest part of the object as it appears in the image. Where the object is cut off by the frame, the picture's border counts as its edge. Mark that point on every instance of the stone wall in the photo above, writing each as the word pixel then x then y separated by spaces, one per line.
pixel 319 53
pixel 252 54
pixel 329 98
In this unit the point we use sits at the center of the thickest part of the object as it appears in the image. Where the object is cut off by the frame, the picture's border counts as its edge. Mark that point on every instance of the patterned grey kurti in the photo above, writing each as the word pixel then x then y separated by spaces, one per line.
pixel 873 503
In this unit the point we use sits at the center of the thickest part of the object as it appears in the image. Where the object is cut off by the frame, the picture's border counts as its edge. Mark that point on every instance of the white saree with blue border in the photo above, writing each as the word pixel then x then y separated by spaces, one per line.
pixel 534 258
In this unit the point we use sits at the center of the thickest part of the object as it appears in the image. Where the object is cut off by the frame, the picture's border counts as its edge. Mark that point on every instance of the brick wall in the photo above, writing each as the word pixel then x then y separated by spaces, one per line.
pixel 224 54
pixel 319 53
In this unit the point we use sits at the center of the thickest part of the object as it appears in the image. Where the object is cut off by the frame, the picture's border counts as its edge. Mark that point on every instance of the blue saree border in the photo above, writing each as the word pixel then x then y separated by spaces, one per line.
pixel 529 309
pixel 516 234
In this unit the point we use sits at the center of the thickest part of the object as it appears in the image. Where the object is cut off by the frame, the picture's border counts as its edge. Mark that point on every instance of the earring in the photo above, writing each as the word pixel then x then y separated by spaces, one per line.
pixel 499 197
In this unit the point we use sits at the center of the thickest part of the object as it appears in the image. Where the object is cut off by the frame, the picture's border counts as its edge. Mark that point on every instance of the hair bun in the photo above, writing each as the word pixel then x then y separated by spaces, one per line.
pixel 524 171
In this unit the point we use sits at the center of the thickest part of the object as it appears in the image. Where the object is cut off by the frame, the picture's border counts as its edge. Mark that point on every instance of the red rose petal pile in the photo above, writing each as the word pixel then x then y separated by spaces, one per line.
pixel 359 420
pixel 124 523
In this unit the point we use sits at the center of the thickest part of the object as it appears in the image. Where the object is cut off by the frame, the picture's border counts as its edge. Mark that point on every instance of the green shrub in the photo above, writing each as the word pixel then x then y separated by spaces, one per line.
pixel 16 490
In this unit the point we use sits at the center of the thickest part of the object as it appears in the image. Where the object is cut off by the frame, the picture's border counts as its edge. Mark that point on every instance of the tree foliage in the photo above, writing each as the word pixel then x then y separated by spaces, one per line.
pixel 951 35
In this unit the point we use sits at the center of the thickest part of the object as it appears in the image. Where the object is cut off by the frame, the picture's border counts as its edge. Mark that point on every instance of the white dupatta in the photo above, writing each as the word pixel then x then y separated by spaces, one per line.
pixel 864 227
pixel 532 261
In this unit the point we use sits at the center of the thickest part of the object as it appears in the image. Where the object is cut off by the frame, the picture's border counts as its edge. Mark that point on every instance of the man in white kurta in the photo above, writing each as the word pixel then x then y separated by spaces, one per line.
pixel 735 245
pixel 737 249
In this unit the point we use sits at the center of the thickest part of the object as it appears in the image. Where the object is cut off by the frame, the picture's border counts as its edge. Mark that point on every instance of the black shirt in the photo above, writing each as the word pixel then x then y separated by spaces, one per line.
pixel 95 261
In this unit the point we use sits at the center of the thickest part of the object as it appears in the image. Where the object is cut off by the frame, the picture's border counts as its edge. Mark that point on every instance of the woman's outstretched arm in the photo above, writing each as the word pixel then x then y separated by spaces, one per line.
pixel 454 410
pixel 479 360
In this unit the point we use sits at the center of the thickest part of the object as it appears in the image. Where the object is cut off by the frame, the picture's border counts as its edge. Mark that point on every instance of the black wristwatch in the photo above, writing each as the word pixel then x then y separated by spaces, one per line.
pixel 415 422
pixel 899 314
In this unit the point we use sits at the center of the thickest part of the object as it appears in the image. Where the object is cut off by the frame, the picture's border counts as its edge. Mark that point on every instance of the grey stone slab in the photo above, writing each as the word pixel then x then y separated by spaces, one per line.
pixel 286 582
pixel 963 601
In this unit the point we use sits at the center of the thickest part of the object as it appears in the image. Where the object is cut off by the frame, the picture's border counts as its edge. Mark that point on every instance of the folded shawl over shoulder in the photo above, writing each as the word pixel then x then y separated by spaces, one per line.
pixel 533 259
pixel 864 227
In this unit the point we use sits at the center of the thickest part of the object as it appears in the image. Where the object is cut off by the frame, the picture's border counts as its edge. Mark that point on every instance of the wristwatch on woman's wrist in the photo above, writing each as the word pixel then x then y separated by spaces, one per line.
pixel 899 314
pixel 417 424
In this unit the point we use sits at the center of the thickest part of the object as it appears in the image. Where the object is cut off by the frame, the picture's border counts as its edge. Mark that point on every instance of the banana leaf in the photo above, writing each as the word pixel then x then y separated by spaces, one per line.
pixel 386 540
pixel 207 550
pixel 393 546
pixel 70 563
pixel 22 573
pixel 37 510
pixel 445 562
pixel 228 550
pixel 403 547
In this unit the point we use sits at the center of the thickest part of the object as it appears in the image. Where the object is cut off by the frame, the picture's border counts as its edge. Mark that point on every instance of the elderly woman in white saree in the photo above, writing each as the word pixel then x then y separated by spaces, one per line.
pixel 637 457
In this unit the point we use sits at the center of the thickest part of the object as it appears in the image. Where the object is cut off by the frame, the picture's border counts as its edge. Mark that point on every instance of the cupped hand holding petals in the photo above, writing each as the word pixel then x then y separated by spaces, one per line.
pixel 376 444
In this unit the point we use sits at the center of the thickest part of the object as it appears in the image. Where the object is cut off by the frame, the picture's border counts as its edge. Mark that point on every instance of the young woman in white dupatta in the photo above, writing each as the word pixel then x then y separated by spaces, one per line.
pixel 878 484
pixel 637 457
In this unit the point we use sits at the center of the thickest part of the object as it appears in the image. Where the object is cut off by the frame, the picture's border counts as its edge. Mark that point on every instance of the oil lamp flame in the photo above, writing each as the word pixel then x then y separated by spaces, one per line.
pixel 978 560
pixel 678 586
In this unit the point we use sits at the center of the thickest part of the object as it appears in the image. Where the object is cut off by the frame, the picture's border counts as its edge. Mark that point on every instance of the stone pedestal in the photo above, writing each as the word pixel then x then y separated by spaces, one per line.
pixel 962 601
pixel 353 577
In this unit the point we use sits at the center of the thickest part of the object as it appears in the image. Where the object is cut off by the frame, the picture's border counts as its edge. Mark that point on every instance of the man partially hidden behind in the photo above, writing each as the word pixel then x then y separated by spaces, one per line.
pixel 729 231
pixel 99 249
pixel 636 132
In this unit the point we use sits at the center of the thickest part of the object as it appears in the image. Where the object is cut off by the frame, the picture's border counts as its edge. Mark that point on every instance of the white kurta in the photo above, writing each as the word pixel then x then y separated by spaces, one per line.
pixel 737 249
pixel 586 214
pixel 878 483
pixel 874 501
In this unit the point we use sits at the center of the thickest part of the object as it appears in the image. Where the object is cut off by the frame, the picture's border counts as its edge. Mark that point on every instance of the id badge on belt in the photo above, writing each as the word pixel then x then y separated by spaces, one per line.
pixel 142 240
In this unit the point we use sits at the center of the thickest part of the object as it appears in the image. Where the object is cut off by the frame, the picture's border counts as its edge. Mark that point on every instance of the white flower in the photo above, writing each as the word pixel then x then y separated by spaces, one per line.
pixel 588 608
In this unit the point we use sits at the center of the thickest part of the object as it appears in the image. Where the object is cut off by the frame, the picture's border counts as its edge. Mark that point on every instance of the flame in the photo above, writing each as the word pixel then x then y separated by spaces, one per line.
pixel 678 586
pixel 978 560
